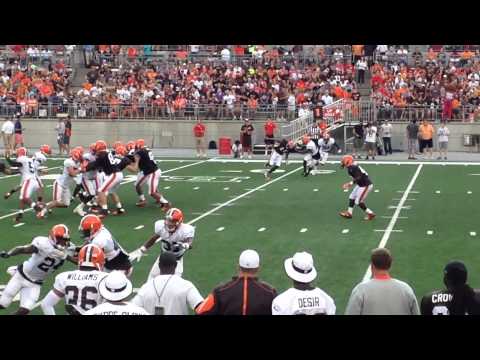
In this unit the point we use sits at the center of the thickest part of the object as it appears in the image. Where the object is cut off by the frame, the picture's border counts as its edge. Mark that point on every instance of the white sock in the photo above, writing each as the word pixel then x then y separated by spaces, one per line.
pixel 163 200
pixel 119 205
pixel 105 207
pixel 33 204
pixel 350 210
pixel 142 197
pixel 368 211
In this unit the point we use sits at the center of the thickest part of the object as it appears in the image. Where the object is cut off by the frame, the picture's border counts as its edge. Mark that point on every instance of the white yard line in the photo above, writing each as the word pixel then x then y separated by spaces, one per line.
pixel 391 224
pixel 227 203
pixel 10 176
pixel 359 162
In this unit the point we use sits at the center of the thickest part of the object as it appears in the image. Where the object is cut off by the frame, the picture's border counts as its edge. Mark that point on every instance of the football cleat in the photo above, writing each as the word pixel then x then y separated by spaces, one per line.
pixel 164 206
pixel 346 214
pixel 117 212
pixel 141 203
pixel 370 217
pixel 7 195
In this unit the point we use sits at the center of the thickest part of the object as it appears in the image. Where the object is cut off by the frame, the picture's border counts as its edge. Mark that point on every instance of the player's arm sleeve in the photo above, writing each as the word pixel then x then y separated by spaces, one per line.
pixel 140 300
pixel 49 302
pixel 209 306
pixel 276 307
pixel 194 299
pixel 355 303
pixel 331 308
pixel 414 310
pixel 424 306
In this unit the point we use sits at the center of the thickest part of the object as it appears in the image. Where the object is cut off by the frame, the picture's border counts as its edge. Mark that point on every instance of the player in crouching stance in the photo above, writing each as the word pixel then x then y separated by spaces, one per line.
pixel 363 185
pixel 175 236
pixel 279 149
pixel 62 194
pixel 325 145
pixel 78 287
pixel 312 157
pixel 48 254
pixel 93 232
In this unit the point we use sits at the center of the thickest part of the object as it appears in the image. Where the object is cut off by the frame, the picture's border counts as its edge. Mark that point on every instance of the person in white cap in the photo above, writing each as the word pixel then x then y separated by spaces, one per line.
pixel 302 298
pixel 244 294
pixel 168 293
pixel 115 289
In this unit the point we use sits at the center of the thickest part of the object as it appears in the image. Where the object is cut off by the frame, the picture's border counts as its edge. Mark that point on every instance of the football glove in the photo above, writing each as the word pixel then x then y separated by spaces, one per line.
pixel 137 254
pixel 346 186
pixel 4 254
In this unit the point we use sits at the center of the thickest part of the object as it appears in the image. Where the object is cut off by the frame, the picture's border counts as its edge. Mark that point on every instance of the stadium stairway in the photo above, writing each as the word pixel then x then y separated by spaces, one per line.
pixel 365 89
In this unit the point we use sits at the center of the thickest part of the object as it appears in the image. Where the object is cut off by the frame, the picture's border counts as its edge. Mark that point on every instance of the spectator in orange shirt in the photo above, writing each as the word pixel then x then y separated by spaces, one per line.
pixel 358 52
pixel 270 127
pixel 199 133
pixel 425 132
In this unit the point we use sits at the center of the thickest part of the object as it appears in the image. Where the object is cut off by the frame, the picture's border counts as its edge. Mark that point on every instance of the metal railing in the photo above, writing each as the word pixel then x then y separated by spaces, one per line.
pixel 436 113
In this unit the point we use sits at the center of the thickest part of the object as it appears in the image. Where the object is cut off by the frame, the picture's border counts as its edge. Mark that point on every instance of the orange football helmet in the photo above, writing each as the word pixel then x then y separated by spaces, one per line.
pixel 305 139
pixel 173 219
pixel 130 145
pixel 59 235
pixel 121 150
pixel 21 151
pixel 46 149
pixel 117 144
pixel 80 149
pixel 76 154
pixel 347 161
pixel 91 256
pixel 93 147
pixel 100 145
pixel 140 144
pixel 90 225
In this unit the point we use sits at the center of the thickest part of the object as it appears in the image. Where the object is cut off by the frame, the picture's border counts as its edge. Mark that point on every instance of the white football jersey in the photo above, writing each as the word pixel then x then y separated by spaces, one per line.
pixel 312 147
pixel 80 288
pixel 92 174
pixel 45 261
pixel 65 180
pixel 168 295
pixel 303 302
pixel 28 168
pixel 326 146
pixel 116 309
pixel 183 232
pixel 105 240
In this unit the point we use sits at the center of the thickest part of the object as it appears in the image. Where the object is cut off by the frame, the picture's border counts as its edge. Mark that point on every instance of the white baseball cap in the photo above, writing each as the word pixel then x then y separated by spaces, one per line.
pixel 300 267
pixel 249 259
pixel 115 286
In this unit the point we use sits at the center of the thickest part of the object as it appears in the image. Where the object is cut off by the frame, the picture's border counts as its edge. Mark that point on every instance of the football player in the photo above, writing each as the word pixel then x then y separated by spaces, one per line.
pixel 148 173
pixel 90 183
pixel 47 255
pixel 176 237
pixel 325 145
pixel 30 182
pixel 62 186
pixel 78 287
pixel 78 178
pixel 112 163
pixel 280 148
pixel 94 232
pixel 312 156
pixel 363 185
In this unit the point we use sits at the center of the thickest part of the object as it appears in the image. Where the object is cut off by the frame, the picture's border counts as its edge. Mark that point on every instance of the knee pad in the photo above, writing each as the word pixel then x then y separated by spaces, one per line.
pixel 351 202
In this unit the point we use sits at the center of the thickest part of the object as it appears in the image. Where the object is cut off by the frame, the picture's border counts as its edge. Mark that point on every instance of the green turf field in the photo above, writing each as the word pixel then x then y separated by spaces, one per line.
pixel 230 206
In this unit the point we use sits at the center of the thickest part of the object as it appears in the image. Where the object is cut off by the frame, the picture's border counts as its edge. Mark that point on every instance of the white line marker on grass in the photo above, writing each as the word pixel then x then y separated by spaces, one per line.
pixel 286 189
pixel 302 230
pixel 9 176
pixel 379 230
pixel 437 192
pixel 399 217
pixel 139 227
pixel 391 224
pixel 19 224
pixel 345 190
pixel 400 207
pixel 315 190
pixel 469 192
pixel 473 233
pixel 429 232
pixel 376 190
pixel 166 187
pixel 262 229
pixel 345 231
pixel 196 188
pixel 226 188
pixel 221 228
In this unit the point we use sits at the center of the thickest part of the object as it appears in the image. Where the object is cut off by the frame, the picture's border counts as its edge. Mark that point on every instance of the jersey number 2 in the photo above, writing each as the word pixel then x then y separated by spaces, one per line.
pixel 48 262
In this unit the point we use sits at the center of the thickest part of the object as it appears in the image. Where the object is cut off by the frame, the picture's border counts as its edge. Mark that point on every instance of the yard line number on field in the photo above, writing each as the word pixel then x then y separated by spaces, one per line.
pixel 393 220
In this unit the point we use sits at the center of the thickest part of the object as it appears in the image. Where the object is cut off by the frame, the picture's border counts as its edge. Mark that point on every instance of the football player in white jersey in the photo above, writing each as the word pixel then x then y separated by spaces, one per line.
pixel 325 145
pixel 62 187
pixel 312 156
pixel 175 236
pixel 47 255
pixel 94 232
pixel 90 183
pixel 30 181
pixel 115 288
pixel 302 298
pixel 78 287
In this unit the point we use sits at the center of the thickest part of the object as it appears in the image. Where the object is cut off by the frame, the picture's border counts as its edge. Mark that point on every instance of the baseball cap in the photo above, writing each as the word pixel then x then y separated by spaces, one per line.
pixel 249 259
pixel 455 273
pixel 300 267
pixel 115 286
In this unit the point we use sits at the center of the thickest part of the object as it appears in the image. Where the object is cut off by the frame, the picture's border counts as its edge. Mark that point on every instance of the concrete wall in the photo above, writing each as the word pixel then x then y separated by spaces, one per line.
pixel 178 133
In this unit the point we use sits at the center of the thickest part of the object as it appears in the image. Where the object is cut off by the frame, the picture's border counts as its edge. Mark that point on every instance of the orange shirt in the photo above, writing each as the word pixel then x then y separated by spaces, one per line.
pixel 426 131
pixel 357 50
pixel 455 103
pixel 199 130
pixel 270 127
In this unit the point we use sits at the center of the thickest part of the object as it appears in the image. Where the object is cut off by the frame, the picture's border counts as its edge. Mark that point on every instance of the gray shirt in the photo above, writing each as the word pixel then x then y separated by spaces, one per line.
pixel 412 131
pixel 60 127
pixel 382 297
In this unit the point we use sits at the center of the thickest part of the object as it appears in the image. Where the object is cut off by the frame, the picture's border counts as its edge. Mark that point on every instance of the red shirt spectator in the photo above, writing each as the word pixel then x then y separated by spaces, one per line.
pixel 270 127
pixel 199 129
pixel 132 52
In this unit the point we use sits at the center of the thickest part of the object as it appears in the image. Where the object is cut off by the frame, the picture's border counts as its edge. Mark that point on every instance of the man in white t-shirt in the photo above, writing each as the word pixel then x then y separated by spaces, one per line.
pixel 168 293
pixel 302 298
pixel 386 128
pixel 8 128
pixel 115 289
pixel 225 55
pixel 327 99
pixel 371 140
pixel 443 134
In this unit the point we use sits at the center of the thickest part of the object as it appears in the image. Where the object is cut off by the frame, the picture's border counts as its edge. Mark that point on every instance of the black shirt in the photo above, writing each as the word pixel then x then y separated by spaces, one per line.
pixel 109 163
pixel 146 164
pixel 246 130
pixel 439 303
pixel 358 131
pixel 281 147
pixel 360 177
